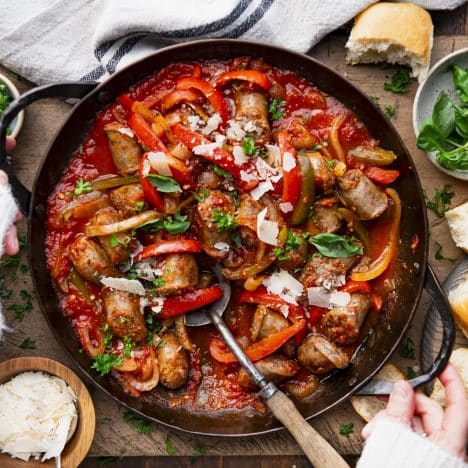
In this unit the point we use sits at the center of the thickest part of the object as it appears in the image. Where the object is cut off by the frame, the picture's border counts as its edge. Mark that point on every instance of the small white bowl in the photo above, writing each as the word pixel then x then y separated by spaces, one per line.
pixel 17 123
pixel 439 79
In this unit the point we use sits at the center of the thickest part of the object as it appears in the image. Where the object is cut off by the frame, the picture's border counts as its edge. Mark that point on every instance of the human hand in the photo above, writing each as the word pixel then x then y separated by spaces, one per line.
pixel 11 238
pixel 448 429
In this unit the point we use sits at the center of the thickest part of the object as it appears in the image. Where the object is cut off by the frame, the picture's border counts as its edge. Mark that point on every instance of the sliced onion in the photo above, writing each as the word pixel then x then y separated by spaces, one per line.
pixel 122 226
pixel 147 385
pixel 158 162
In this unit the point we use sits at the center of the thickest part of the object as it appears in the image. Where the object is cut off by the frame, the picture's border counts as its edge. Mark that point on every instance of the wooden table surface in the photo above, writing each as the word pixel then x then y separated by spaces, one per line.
pixel 115 438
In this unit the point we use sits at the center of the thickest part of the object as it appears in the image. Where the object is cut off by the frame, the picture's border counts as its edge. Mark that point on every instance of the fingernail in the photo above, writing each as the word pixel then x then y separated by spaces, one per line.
pixel 3 178
pixel 399 390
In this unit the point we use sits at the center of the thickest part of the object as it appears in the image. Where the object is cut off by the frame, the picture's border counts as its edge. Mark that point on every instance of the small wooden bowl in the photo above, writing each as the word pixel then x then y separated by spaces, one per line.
pixel 78 446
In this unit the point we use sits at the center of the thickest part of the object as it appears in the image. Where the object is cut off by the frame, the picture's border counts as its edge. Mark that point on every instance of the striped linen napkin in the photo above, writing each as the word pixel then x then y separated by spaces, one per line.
pixel 54 40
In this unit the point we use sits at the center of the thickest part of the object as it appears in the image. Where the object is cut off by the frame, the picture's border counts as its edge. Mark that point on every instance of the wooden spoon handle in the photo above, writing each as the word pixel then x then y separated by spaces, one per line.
pixel 320 453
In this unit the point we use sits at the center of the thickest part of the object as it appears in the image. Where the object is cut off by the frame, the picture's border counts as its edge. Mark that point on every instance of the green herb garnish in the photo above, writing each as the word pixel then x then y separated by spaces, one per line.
pixel 107 335
pixel 82 187
pixel 221 172
pixel 158 282
pixel 292 243
pixel 170 448
pixel 389 111
pixel 335 246
pixel 103 363
pixel 128 347
pixel 115 241
pixel 176 224
pixel 438 254
pixel 346 429
pixel 408 349
pixel 276 109
pixel 139 205
pixel 410 374
pixel 399 83
pixel 223 221
pixel 440 204
pixel 141 425
pixel 164 184
pixel 28 343
pixel 201 195
pixel 460 80
pixel 249 148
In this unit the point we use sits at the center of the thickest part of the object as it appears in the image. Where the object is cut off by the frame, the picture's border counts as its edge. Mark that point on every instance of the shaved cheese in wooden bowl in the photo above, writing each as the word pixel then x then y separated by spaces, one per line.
pixel 38 415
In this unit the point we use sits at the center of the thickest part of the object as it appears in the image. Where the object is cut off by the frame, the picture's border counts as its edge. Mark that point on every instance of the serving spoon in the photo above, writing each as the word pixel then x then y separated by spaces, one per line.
pixel 319 452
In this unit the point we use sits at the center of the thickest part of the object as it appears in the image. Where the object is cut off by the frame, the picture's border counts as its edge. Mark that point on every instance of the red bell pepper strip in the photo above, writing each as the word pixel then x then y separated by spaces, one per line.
pixel 192 300
pixel 258 350
pixel 381 176
pixel 356 287
pixel 180 245
pixel 177 96
pixel 126 101
pixel 252 76
pixel 197 71
pixel 315 314
pixel 414 242
pixel 211 93
pixel 150 192
pixel 217 156
pixel 262 296
pixel 376 301
pixel 291 178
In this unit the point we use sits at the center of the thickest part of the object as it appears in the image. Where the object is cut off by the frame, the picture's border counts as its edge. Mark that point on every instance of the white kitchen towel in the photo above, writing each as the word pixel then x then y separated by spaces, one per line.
pixel 55 40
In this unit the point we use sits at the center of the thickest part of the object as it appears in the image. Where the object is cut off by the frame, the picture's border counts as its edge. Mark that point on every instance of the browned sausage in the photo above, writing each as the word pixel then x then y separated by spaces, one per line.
pixel 319 355
pixel 361 195
pixel 115 246
pixel 124 148
pixel 324 177
pixel 295 258
pixel 325 270
pixel 252 114
pixel 342 324
pixel 266 322
pixel 89 259
pixel 123 314
pixel 179 272
pixel 325 220
pixel 302 387
pixel 274 368
pixel 209 233
pixel 127 199
pixel 173 361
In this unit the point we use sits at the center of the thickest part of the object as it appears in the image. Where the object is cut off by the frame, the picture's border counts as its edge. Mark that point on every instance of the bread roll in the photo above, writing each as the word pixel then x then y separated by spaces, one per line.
pixel 457 220
pixel 395 33
pixel 458 299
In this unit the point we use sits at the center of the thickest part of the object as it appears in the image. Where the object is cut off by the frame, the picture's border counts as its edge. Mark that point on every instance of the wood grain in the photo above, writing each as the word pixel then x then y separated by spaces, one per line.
pixel 113 436
pixel 78 446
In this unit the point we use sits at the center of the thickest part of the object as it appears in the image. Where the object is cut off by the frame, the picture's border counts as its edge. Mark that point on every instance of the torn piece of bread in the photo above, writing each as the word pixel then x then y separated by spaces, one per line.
pixel 458 298
pixel 459 360
pixel 457 220
pixel 395 33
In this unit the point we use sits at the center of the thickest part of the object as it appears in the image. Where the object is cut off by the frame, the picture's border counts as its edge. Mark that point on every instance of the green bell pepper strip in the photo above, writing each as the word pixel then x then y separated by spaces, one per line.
pixel 306 198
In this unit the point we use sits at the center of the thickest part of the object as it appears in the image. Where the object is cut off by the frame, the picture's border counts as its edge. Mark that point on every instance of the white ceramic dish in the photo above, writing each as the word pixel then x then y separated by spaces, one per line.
pixel 18 120
pixel 439 79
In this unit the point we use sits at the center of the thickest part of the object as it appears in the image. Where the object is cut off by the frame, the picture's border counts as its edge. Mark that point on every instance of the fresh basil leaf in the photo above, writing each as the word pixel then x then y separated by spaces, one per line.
pixel 176 224
pixel 335 246
pixel 430 137
pixel 443 115
pixel 454 159
pixel 164 184
pixel 460 80
pixel 461 121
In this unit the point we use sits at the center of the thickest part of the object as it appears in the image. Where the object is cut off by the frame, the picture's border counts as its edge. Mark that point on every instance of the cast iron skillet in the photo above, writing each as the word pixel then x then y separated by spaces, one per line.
pixel 411 270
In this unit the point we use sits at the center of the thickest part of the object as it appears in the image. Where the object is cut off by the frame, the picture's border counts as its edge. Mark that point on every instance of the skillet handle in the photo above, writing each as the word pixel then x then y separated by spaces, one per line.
pixel 61 90
pixel 439 298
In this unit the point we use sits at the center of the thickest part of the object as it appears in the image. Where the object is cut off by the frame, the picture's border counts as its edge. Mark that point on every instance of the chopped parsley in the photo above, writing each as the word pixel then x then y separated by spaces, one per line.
pixel 164 184
pixel 21 309
pixel 158 282
pixel 346 429
pixel 141 425
pixel 132 273
pixel 276 109
pixel 389 111
pixel 115 241
pixel 152 323
pixel 440 204
pixel 331 163
pixel 176 224
pixel 82 187
pixel 410 374
pixel 249 148
pixel 221 172
pixel 292 243
pixel 128 347
pixel 139 205
pixel 399 83
pixel 103 363
pixel 201 195
pixel 107 335
pixel 223 221
pixel 10 262
pixel 375 100
pixel 438 254
pixel 408 349
pixel 170 448
pixel 5 97
pixel 28 343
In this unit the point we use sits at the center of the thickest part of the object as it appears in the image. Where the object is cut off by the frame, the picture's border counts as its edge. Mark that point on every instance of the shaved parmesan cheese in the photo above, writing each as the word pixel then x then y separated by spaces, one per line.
pixel 37 414
pixel 246 177
pixel 126 131
pixel 146 167
pixel 286 207
pixel 194 122
pixel 285 286
pixel 267 231
pixel 234 131
pixel 274 155
pixel 250 126
pixel 222 246
pixel 220 139
pixel 239 156
pixel 289 162
pixel 124 284
pixel 158 162
pixel 212 124
pixel 318 296
pixel 339 298
pixel 261 189
pixel 158 303
pixel 205 150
